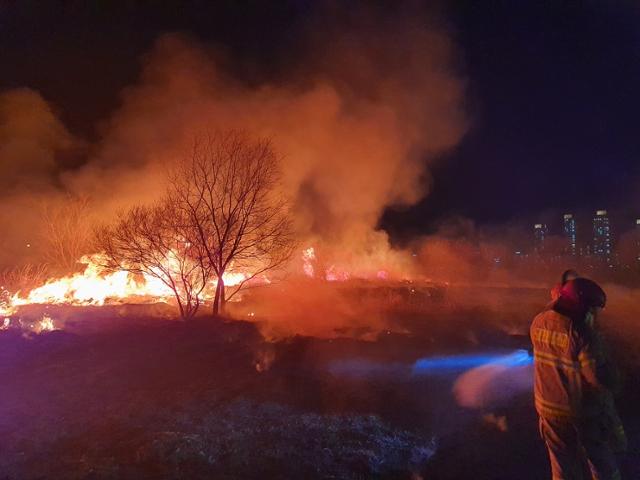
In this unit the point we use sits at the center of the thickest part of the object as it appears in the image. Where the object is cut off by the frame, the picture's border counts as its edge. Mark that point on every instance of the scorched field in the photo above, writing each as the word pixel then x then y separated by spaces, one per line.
pixel 441 391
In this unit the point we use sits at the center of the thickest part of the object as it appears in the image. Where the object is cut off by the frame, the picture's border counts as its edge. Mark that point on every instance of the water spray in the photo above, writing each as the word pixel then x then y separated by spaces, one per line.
pixel 437 365
pixel 457 363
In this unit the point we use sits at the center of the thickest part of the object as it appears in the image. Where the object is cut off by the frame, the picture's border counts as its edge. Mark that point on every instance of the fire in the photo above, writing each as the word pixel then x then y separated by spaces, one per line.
pixel 97 286
pixel 308 257
pixel 44 325
pixel 382 275
pixel 235 278
pixel 93 286
pixel 335 273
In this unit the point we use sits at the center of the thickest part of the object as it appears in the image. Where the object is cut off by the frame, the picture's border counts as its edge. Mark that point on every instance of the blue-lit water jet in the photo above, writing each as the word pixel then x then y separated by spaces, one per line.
pixel 437 365
pixel 457 363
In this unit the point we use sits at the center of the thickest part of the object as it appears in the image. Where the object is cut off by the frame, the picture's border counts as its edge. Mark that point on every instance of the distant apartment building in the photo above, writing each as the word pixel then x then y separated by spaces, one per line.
pixel 602 242
pixel 570 234
pixel 540 234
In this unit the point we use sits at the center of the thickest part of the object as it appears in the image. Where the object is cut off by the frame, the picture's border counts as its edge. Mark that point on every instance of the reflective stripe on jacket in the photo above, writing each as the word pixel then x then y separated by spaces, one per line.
pixel 564 365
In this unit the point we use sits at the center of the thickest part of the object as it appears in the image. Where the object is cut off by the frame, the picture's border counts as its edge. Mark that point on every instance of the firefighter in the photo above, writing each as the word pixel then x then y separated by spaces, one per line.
pixel 573 384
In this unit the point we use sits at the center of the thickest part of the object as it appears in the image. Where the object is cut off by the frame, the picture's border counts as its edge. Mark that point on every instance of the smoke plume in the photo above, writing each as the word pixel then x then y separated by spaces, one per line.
pixel 33 145
pixel 358 115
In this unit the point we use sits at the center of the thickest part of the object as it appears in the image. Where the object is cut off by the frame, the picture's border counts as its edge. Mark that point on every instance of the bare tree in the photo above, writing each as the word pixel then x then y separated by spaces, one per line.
pixel 153 241
pixel 67 232
pixel 228 188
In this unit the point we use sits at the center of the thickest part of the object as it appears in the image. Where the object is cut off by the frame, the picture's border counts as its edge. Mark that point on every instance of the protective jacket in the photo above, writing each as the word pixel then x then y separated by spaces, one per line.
pixel 568 368
pixel 573 384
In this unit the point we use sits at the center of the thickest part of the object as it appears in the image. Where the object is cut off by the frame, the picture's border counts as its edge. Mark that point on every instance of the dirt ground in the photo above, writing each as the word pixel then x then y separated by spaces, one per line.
pixel 145 398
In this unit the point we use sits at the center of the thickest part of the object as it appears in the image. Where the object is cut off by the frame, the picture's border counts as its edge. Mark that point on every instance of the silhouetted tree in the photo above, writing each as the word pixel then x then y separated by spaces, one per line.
pixel 152 240
pixel 228 190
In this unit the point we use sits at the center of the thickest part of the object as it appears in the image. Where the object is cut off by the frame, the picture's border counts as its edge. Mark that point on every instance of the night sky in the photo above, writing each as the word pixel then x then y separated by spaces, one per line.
pixel 552 90
pixel 553 95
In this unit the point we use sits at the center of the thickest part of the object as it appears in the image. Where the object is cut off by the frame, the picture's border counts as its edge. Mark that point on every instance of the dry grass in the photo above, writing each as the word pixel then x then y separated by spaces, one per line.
pixel 23 277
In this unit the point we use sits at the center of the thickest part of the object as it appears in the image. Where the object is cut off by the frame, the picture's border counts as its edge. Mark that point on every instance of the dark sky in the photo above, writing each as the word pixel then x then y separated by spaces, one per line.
pixel 554 98
pixel 552 90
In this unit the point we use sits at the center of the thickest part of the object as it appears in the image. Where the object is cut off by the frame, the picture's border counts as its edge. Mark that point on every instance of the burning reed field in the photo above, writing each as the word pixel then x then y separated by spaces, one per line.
pixel 433 387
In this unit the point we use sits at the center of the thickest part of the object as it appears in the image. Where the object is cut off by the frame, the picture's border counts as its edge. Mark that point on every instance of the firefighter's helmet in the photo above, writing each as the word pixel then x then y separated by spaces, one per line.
pixel 566 276
pixel 569 275
pixel 584 292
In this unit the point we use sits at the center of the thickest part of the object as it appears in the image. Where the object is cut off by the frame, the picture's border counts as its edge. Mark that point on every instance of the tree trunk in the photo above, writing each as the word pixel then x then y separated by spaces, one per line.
pixel 218 300
pixel 222 296
pixel 216 304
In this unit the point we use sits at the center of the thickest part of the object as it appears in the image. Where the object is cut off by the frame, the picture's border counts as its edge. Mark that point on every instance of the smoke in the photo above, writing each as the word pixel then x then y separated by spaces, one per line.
pixel 367 100
pixel 30 138
pixel 461 254
pixel 358 116
pixel 34 145
pixel 301 306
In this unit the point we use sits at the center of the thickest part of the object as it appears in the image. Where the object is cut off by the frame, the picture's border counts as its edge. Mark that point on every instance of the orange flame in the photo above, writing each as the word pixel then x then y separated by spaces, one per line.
pixel 97 286
pixel 308 258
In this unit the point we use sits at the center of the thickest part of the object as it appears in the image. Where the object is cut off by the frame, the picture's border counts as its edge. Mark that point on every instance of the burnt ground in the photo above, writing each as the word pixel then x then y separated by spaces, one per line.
pixel 155 399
